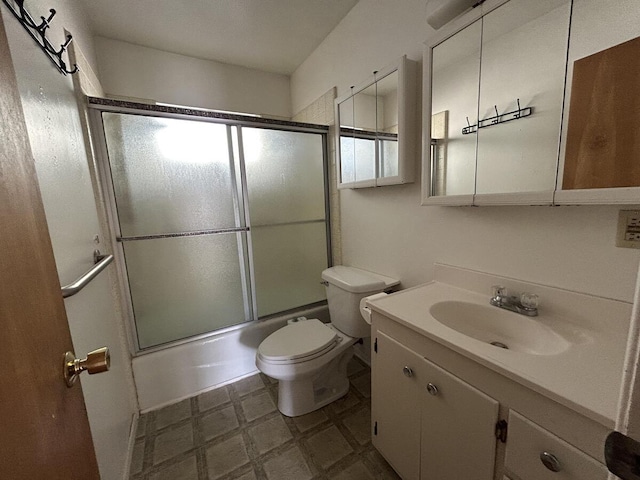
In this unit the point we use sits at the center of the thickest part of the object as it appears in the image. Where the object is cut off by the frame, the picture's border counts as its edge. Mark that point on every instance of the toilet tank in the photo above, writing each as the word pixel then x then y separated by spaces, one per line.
pixel 346 286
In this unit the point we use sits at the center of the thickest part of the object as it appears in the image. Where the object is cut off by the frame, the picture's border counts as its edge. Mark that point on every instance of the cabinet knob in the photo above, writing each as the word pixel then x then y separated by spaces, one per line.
pixel 407 371
pixel 550 461
pixel 432 389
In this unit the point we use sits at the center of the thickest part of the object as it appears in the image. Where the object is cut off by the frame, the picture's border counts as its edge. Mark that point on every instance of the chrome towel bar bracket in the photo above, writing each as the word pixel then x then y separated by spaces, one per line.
pixel 101 262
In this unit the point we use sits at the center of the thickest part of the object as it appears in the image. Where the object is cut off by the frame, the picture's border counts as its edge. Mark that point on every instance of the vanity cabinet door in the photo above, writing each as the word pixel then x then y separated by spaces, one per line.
pixel 458 427
pixel 395 405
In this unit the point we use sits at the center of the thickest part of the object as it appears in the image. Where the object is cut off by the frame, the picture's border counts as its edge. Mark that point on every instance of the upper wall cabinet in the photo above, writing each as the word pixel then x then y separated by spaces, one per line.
pixel 497 84
pixel 375 141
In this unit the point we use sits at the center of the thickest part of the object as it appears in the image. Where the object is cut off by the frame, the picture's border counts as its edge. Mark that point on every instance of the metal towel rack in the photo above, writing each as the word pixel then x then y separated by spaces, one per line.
pixel 101 262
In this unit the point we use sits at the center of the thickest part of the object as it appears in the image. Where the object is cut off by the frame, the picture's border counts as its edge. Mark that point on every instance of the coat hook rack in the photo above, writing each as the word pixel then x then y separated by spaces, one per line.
pixel 38 31
pixel 498 118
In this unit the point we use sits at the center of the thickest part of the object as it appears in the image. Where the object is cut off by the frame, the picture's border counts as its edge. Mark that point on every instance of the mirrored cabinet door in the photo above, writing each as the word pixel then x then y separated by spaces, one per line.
pixel 364 134
pixel 347 142
pixel 454 113
pixel 524 47
pixel 387 124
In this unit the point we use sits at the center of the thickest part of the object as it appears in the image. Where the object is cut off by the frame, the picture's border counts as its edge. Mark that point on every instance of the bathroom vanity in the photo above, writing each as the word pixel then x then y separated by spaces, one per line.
pixel 450 402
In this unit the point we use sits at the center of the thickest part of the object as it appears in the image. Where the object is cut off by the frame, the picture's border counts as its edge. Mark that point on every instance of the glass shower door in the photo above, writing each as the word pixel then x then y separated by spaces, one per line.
pixel 285 177
pixel 181 225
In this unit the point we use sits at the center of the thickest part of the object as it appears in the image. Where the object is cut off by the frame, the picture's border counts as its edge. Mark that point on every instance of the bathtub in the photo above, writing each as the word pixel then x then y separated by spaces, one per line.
pixel 177 372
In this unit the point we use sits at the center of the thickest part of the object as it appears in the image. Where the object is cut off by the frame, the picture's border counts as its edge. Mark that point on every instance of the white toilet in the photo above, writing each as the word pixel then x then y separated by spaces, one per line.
pixel 309 358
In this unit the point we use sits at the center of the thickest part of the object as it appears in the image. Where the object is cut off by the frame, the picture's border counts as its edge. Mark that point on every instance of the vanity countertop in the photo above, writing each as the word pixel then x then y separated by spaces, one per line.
pixel 585 377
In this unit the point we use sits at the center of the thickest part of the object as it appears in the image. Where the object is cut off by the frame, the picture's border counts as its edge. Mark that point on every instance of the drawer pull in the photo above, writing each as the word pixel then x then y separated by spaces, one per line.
pixel 550 461
pixel 407 371
pixel 432 389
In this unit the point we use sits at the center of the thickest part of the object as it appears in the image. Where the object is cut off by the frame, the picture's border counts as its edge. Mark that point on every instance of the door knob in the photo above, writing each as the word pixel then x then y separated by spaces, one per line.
pixel 97 361
pixel 408 372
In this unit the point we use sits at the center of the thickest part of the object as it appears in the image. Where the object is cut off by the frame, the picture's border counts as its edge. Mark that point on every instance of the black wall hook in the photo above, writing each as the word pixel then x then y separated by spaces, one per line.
pixel 39 34
pixel 498 118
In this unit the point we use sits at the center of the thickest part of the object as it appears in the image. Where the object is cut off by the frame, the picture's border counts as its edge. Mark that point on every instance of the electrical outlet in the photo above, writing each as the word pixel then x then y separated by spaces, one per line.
pixel 628 229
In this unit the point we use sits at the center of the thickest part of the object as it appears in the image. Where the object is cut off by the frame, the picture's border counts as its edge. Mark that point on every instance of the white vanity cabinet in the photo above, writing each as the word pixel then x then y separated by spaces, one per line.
pixel 435 424
pixel 429 424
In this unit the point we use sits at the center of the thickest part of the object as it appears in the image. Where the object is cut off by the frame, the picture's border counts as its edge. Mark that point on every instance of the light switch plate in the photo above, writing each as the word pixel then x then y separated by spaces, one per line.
pixel 628 229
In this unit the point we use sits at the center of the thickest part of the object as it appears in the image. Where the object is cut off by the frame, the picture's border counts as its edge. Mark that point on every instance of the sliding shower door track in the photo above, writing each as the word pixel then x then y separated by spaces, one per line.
pixel 184 234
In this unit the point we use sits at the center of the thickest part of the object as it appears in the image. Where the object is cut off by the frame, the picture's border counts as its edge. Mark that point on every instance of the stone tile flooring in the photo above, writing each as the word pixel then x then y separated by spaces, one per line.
pixel 237 432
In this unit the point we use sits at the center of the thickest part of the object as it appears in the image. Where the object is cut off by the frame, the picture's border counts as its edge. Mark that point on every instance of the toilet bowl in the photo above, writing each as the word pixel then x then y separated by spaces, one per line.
pixel 309 358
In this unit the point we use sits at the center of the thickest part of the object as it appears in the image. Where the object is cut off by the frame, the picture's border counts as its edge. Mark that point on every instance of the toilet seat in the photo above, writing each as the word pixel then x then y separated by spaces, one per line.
pixel 298 342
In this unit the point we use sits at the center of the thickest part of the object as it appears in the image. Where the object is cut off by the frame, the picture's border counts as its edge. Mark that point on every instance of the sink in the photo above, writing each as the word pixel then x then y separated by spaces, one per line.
pixel 500 328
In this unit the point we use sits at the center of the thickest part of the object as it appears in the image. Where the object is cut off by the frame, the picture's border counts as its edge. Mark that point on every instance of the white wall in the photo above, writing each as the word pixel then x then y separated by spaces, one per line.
pixel 130 70
pixel 55 134
pixel 387 231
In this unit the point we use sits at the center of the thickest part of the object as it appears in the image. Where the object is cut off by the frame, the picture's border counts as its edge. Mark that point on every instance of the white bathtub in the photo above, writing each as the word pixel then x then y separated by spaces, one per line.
pixel 175 373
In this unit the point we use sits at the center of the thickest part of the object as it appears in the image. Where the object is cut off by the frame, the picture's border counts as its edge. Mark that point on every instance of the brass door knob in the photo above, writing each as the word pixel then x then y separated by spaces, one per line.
pixel 97 361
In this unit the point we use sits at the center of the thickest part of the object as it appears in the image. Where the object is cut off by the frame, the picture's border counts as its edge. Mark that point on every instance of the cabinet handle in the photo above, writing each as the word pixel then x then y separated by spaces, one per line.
pixel 550 461
pixel 432 389
pixel 407 371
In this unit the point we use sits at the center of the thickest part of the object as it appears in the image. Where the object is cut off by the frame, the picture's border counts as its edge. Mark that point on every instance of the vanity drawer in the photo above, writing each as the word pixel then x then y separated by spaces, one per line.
pixel 526 443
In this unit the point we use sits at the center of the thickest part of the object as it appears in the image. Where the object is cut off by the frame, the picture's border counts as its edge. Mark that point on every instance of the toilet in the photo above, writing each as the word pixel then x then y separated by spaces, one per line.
pixel 309 358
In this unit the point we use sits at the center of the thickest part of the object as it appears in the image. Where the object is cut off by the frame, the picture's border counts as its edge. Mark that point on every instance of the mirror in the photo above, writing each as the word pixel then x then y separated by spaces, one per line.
pixel 387 124
pixel 364 133
pixel 357 116
pixel 347 143
pixel 454 108
pixel 524 48
pixel 376 136
pixel 495 93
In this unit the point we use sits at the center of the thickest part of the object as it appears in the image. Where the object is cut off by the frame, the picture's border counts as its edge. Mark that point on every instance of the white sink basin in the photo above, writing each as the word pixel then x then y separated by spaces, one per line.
pixel 499 327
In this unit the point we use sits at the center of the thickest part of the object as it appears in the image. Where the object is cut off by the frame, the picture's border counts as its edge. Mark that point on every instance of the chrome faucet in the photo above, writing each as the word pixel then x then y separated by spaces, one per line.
pixel 524 304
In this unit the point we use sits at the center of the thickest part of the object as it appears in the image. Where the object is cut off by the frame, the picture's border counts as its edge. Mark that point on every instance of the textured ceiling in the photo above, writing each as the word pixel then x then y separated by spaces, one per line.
pixel 270 35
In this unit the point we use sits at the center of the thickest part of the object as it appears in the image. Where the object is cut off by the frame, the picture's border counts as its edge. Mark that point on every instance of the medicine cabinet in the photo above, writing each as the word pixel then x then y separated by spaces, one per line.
pixel 376 137
pixel 508 121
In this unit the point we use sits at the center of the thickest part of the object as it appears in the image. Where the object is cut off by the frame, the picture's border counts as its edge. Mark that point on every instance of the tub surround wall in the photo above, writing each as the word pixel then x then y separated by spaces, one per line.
pixel 386 230
pixel 320 112
pixel 128 70
pixel 57 143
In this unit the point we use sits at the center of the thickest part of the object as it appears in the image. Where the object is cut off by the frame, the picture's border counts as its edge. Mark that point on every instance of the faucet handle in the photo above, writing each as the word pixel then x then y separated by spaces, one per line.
pixel 499 291
pixel 529 301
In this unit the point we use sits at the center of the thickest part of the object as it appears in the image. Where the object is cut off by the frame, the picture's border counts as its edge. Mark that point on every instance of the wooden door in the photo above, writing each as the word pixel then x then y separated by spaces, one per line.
pixel 395 405
pixel 44 427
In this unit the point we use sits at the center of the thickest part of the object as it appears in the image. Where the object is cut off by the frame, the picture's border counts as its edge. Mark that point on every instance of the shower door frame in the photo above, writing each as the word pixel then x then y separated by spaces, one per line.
pixel 97 106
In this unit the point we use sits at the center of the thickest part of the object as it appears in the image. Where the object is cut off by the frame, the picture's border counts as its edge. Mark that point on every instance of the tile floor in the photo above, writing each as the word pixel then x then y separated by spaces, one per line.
pixel 237 432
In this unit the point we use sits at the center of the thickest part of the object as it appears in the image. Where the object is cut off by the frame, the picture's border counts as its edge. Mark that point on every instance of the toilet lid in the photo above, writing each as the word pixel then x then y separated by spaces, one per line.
pixel 297 340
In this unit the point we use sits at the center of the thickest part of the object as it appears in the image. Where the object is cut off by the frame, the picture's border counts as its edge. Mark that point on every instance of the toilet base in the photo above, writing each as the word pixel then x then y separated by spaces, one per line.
pixel 302 396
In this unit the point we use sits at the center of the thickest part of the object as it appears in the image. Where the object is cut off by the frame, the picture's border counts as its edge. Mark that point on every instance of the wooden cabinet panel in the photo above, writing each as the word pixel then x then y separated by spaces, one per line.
pixel 603 136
